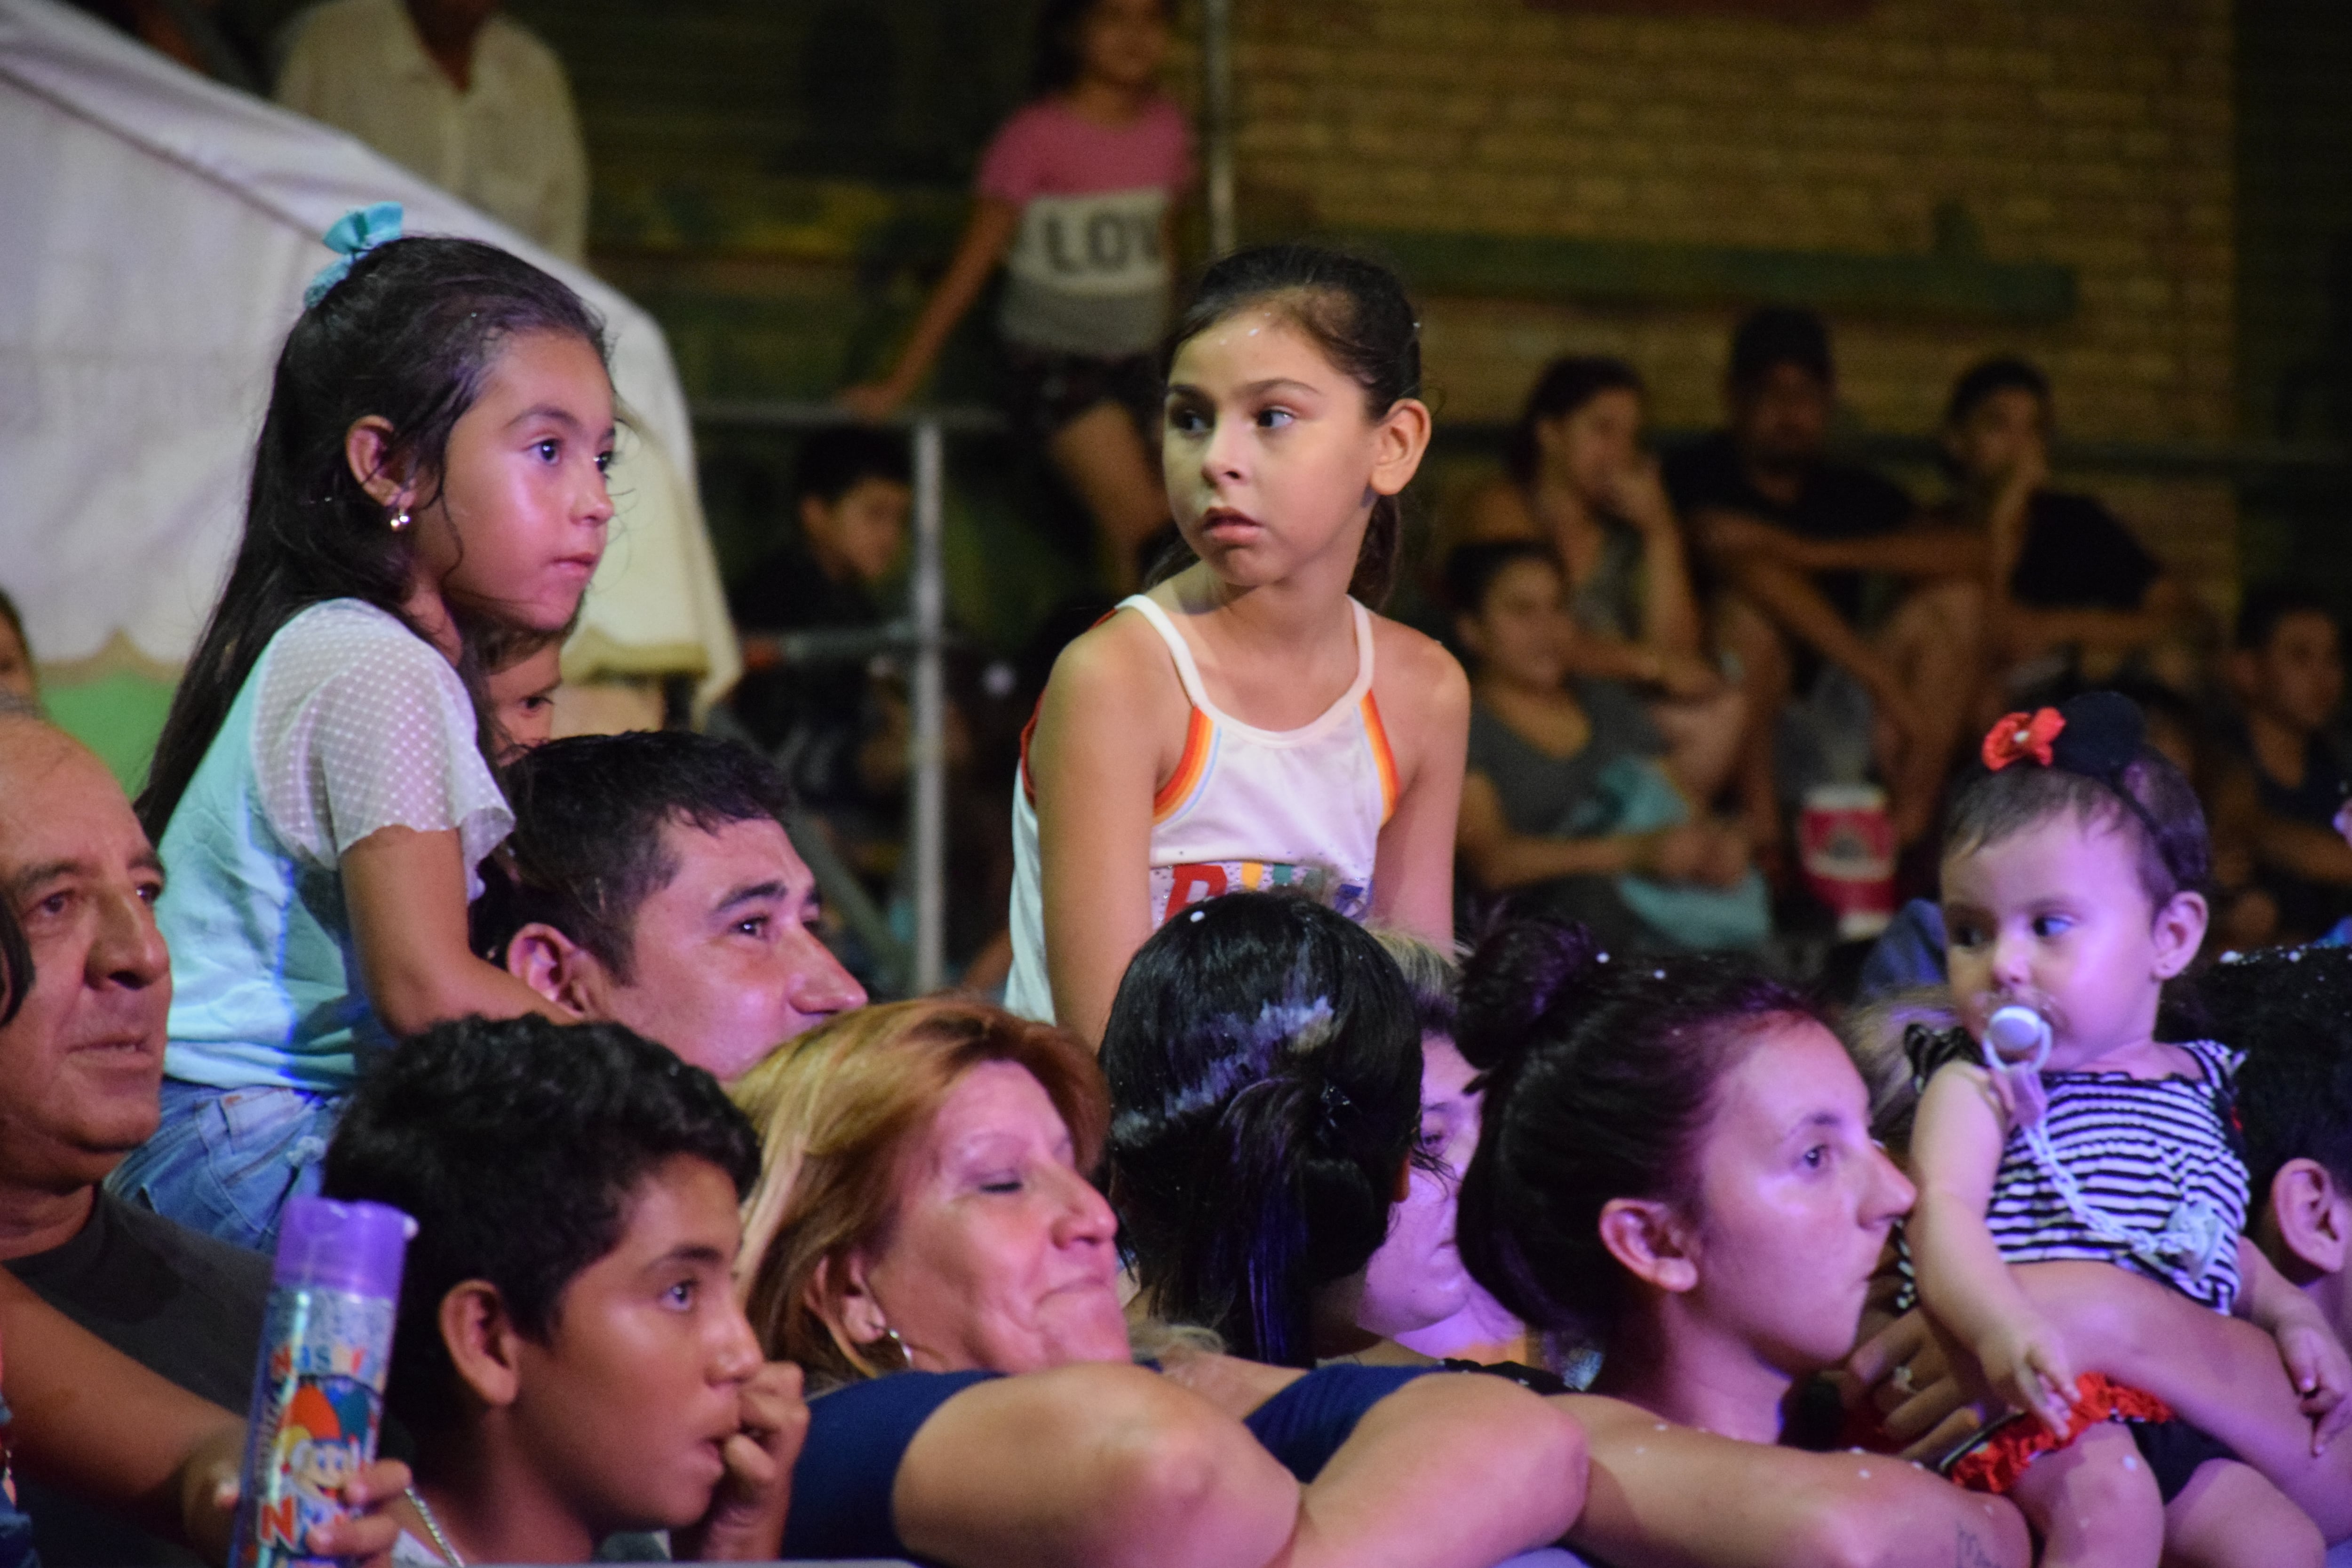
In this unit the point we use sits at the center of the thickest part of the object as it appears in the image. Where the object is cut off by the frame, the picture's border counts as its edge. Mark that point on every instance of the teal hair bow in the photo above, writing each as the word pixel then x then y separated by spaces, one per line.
pixel 355 234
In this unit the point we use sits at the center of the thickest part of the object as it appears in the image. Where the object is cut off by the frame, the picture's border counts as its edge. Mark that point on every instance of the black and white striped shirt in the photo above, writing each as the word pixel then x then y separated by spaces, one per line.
pixel 2138 1148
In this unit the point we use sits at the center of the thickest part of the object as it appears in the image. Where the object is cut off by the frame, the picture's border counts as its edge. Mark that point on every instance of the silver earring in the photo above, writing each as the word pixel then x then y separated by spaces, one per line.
pixel 399 520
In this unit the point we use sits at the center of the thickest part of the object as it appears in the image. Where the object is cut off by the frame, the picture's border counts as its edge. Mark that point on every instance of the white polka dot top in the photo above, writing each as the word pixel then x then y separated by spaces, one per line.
pixel 349 724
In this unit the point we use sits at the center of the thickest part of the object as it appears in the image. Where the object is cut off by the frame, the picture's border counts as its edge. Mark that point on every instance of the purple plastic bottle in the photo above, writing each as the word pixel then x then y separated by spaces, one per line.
pixel 317 1394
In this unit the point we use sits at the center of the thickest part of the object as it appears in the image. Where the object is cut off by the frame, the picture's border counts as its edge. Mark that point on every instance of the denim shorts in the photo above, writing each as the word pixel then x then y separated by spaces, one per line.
pixel 224 1161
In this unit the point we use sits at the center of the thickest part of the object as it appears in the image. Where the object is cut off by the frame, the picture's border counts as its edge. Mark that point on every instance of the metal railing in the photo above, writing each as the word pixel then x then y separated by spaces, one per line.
pixel 923 632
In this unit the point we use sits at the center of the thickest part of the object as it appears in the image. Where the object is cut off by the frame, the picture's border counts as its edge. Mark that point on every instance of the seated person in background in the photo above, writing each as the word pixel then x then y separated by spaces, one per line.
pixel 81 1057
pixel 2069 591
pixel 569 1355
pixel 1564 801
pixel 2286 671
pixel 1578 479
pixel 19 677
pixel 1786 533
pixel 649 883
pixel 1675 1168
pixel 924 1225
pixel 1416 1292
pixel 456 92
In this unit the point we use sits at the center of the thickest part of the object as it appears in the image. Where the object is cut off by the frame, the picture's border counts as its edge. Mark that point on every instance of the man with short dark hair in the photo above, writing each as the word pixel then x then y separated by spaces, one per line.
pixel 649 883
pixel 1789 534
pixel 82 1062
pixel 570 1355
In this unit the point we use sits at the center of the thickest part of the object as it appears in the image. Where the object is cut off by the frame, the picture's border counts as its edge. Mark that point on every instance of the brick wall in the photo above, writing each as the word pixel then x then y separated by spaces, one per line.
pixel 2094 133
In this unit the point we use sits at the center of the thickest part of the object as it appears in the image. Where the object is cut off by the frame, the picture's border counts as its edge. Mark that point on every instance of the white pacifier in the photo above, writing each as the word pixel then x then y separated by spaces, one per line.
pixel 2017 1039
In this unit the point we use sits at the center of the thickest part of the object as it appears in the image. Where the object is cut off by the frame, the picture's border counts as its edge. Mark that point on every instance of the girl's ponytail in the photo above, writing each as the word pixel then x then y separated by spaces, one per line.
pixel 1357 312
pixel 1255 1143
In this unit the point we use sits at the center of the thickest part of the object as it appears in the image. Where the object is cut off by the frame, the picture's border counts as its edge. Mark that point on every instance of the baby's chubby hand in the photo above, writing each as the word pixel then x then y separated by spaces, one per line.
pixel 2026 1364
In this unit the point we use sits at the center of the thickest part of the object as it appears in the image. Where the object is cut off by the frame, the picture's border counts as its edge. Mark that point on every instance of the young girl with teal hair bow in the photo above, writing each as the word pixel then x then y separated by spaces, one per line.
pixel 428 494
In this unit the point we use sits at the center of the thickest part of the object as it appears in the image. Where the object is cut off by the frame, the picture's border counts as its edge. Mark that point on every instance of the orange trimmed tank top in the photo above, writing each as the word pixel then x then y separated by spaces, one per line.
pixel 1299 809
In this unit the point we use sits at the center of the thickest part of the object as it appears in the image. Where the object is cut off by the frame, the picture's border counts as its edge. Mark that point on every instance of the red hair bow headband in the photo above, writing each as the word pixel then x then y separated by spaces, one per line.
pixel 2017 736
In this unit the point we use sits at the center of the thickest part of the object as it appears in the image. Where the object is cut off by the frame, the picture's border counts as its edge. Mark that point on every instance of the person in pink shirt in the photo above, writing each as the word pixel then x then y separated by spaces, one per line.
pixel 1075 198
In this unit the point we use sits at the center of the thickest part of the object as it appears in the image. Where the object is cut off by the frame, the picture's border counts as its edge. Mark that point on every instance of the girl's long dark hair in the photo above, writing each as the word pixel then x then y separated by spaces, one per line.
pixel 1265 1066
pixel 1357 314
pixel 408 336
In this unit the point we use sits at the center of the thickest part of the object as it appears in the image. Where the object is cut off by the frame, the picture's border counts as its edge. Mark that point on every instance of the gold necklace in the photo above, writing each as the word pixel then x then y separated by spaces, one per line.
pixel 432 1527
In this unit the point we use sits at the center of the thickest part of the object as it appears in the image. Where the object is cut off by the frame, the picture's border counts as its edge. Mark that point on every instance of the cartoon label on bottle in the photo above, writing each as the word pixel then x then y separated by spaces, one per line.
pixel 323 1400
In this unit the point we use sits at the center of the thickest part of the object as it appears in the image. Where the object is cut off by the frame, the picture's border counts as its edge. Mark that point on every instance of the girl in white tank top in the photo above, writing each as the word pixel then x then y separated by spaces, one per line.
pixel 1293 421
pixel 1246 808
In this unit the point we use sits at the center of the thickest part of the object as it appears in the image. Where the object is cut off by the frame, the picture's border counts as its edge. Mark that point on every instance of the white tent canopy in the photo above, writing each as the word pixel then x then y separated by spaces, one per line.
pixel 156 231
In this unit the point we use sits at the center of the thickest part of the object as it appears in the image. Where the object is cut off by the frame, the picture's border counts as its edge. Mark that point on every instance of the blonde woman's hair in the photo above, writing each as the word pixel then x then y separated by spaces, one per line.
pixel 839 1110
pixel 1433 975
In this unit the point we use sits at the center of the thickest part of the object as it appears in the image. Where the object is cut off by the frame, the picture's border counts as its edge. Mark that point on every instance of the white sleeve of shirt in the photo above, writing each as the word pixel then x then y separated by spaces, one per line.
pixel 361 726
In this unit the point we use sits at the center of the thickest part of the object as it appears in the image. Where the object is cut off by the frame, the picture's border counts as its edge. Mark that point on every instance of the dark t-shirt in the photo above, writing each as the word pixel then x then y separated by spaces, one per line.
pixel 813 715
pixel 2306 910
pixel 2078 557
pixel 180 1303
pixel 1839 500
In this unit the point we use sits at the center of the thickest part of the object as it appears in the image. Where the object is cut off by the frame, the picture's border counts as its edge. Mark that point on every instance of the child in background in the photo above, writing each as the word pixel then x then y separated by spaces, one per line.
pixel 2069 878
pixel 1079 186
pixel 569 1355
pixel 1565 803
pixel 430 477
pixel 521 695
pixel 850 501
pixel 1248 722
pixel 2286 671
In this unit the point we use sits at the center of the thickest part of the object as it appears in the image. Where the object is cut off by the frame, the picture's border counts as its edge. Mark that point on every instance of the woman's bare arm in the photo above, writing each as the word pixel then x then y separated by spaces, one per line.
pixel 2218 1374
pixel 1097 1463
pixel 1662 1496
pixel 1452 1470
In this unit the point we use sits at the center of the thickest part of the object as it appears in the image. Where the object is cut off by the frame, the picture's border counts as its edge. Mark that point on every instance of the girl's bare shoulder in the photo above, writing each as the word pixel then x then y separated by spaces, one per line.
pixel 1121 661
pixel 1414 676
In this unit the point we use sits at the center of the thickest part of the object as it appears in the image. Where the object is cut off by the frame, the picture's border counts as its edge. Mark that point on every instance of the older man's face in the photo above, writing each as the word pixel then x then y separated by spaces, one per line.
pixel 725 963
pixel 80 1064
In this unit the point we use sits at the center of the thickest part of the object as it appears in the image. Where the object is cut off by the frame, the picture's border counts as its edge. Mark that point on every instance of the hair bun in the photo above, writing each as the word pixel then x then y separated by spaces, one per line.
pixel 1519 976
pixel 2101 737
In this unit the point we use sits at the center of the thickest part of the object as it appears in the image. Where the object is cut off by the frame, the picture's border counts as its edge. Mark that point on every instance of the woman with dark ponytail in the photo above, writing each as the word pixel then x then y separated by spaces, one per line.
pixel 1248 721
pixel 1676 1168
pixel 1265 1066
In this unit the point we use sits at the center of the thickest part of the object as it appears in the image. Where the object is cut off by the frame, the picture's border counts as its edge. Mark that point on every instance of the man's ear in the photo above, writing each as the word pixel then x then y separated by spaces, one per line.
pixel 558 968
pixel 1467 629
pixel 1648 1238
pixel 816 516
pixel 2180 931
pixel 482 1342
pixel 367 448
pixel 2314 1219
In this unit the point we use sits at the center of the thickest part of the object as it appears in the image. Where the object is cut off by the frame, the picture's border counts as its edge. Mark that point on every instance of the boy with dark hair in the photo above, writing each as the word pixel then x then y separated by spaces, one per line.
pixel 649 881
pixel 2286 670
pixel 570 1355
pixel 850 505
pixel 2068 584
